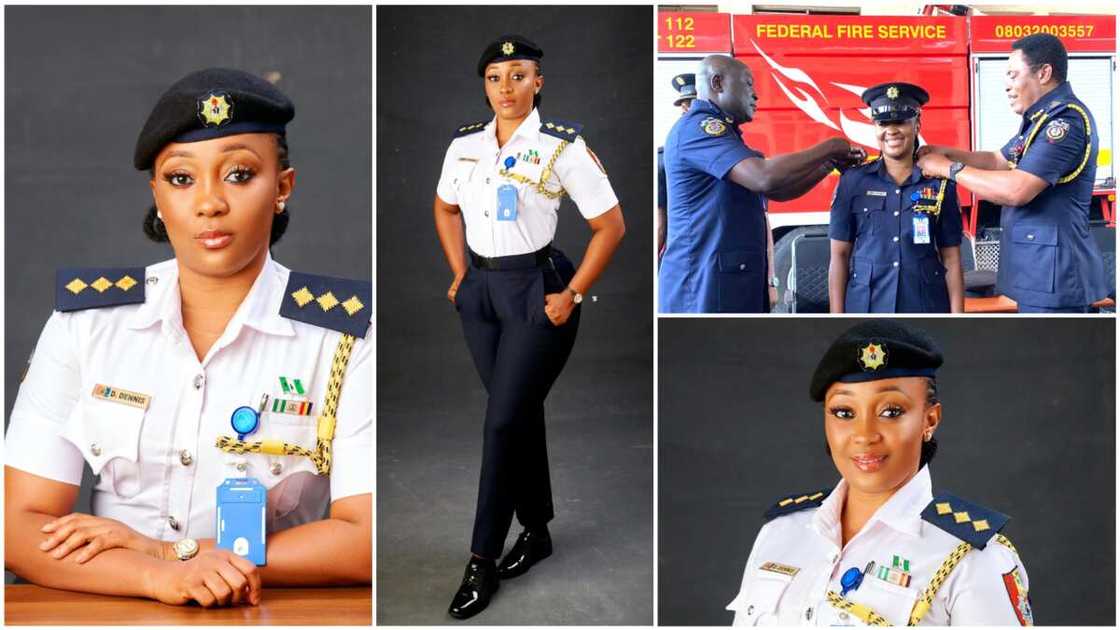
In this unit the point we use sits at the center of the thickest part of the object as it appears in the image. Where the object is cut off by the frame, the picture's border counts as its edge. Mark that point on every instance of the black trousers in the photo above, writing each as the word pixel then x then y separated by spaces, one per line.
pixel 518 353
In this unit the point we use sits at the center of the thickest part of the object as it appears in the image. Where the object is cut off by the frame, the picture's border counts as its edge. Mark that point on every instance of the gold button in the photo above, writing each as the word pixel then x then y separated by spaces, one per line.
pixel 95 449
pixel 277 468
pixel 241 466
pixel 185 457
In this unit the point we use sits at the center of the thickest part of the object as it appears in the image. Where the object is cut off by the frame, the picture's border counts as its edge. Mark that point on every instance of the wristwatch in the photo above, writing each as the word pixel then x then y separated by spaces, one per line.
pixel 955 168
pixel 577 297
pixel 774 282
pixel 186 549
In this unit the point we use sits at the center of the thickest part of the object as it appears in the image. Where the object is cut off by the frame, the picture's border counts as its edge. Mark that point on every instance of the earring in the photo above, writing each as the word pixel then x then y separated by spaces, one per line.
pixel 928 436
pixel 159 215
pixel 281 206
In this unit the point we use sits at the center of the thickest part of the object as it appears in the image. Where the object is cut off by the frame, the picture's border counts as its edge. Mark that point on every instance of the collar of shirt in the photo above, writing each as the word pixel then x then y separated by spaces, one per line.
pixel 915 174
pixel 902 512
pixel 528 129
pixel 704 106
pixel 260 309
pixel 1063 92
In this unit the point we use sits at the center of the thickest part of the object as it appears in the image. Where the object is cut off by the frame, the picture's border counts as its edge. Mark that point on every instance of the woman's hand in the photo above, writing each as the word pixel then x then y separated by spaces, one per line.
pixel 216 577
pixel 94 534
pixel 558 307
pixel 454 288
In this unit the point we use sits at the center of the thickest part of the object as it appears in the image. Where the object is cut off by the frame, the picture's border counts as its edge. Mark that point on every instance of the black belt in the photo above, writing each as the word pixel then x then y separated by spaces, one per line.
pixel 538 258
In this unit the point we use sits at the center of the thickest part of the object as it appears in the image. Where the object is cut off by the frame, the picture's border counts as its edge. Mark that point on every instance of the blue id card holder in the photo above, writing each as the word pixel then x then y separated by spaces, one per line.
pixel 241 509
pixel 507 202
pixel 921 229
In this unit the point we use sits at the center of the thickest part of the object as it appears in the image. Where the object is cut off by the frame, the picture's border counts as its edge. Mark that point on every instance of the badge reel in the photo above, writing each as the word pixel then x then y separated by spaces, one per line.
pixel 242 500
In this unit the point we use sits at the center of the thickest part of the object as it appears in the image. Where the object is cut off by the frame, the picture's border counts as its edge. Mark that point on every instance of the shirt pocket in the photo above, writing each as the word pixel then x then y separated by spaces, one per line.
pixel 1034 256
pixel 461 175
pixel 758 603
pixel 108 436
pixel 893 603
pixel 291 429
pixel 868 214
pixel 742 276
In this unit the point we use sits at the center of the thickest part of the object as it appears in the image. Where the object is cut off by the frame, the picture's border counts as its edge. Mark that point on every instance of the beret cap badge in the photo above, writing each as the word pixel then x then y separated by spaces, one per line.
pixel 215 109
pixel 873 356
pixel 507 48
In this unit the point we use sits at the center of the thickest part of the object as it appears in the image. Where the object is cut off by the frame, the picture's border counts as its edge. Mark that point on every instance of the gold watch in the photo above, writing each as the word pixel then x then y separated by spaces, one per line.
pixel 577 297
pixel 185 549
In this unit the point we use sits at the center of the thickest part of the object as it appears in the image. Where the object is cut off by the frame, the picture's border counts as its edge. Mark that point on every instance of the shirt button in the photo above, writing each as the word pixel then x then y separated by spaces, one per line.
pixel 809 613
pixel 173 523
pixel 95 449
pixel 742 266
pixel 1030 237
pixel 894 264
pixel 199 379
pixel 896 213
pixel 241 466
pixel 151 281
pixel 843 616
pixel 185 457
pixel 896 191
pixel 895 239
pixel 276 468
pixel 750 609
pixel 485 213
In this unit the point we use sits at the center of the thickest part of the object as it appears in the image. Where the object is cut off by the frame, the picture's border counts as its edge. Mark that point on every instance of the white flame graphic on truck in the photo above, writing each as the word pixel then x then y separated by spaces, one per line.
pixel 857 131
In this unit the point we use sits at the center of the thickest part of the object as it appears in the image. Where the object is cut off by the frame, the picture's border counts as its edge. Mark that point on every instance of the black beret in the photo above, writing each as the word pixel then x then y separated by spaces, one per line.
pixel 209 104
pixel 685 85
pixel 894 102
pixel 874 350
pixel 508 47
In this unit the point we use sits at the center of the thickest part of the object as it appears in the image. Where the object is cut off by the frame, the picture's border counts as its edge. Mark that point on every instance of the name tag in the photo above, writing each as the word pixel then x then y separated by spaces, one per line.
pixel 875 193
pixel 921 229
pixel 122 396
pixel 784 569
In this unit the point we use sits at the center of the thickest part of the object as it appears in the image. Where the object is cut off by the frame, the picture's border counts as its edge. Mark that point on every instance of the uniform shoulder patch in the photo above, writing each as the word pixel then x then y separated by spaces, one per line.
pixel 334 303
pixel 564 130
pixel 80 288
pixel 466 130
pixel 796 503
pixel 713 126
pixel 974 524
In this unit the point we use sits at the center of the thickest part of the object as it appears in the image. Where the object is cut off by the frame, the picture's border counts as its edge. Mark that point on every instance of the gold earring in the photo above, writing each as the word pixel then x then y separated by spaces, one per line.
pixel 928 436
pixel 280 205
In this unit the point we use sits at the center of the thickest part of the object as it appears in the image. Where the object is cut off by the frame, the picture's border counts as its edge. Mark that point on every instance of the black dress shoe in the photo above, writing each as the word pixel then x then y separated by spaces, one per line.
pixel 480 582
pixel 531 547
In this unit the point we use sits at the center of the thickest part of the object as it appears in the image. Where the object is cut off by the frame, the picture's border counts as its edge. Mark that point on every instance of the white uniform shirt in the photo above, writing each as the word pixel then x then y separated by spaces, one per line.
pixel 159 467
pixel 809 541
pixel 470 180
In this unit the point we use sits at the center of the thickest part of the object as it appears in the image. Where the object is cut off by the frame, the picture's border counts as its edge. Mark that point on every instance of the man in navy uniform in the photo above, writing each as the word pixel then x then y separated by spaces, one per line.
pixel 1043 178
pixel 685 85
pixel 716 255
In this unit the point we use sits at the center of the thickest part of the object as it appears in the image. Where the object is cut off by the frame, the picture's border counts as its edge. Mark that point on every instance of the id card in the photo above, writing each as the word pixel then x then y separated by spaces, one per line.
pixel 507 202
pixel 921 229
pixel 241 518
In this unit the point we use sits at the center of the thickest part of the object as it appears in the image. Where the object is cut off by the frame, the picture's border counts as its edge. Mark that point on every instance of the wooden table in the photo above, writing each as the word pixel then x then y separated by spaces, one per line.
pixel 1004 304
pixel 27 604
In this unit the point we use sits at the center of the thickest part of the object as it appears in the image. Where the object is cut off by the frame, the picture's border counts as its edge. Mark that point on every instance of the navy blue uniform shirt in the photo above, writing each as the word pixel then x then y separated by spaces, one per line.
pixel 1047 257
pixel 891 270
pixel 715 255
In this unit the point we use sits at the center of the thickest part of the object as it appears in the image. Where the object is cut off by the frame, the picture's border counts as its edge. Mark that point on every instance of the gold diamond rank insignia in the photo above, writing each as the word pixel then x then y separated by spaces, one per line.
pixel 214 110
pixel 873 356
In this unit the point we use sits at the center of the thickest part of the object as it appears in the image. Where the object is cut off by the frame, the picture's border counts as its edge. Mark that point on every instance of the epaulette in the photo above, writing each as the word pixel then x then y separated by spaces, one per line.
pixel 467 130
pixel 974 524
pixel 561 129
pixel 796 503
pixel 77 289
pixel 334 303
pixel 1056 106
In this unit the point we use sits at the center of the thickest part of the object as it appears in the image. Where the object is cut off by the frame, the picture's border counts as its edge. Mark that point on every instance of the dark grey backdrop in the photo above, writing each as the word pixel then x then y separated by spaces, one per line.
pixel 79 83
pixel 598 71
pixel 1029 429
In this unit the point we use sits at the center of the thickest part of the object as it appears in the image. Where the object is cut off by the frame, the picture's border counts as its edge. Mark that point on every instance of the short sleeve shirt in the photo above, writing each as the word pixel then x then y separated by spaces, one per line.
pixel 159 467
